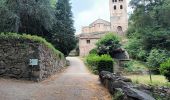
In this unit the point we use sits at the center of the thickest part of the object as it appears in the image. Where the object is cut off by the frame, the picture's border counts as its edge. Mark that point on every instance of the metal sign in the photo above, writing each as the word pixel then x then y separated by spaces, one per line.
pixel 33 62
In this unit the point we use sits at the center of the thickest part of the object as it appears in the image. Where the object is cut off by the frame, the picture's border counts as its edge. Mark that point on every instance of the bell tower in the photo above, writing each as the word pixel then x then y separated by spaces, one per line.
pixel 118 16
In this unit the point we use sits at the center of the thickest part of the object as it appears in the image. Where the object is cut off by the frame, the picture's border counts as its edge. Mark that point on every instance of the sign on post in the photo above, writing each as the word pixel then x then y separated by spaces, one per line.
pixel 33 62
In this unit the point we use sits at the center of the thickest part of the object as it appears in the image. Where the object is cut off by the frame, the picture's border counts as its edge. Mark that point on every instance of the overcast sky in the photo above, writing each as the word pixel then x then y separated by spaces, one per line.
pixel 87 11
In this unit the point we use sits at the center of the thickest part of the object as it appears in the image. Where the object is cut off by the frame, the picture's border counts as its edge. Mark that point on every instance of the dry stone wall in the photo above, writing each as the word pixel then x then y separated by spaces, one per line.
pixel 15 55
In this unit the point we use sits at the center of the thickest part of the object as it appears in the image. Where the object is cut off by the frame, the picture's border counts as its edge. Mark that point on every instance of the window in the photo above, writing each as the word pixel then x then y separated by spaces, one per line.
pixel 121 7
pixel 115 0
pixel 120 0
pixel 88 41
pixel 114 7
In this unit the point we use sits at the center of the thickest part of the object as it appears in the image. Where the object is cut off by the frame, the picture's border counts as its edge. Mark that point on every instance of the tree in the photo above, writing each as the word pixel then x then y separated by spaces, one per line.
pixel 26 16
pixel 155 58
pixel 109 44
pixel 149 25
pixel 63 30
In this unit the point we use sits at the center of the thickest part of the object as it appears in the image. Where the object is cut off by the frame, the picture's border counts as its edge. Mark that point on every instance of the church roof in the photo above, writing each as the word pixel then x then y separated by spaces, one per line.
pixel 100 21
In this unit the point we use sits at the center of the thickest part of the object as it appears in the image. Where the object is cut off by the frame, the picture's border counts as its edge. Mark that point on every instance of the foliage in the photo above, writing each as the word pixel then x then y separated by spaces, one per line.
pixel 134 67
pixel 165 69
pixel 149 27
pixel 135 49
pixel 93 51
pixel 155 58
pixel 63 29
pixel 99 63
pixel 33 17
pixel 118 95
pixel 109 44
pixel 10 36
pixel 41 18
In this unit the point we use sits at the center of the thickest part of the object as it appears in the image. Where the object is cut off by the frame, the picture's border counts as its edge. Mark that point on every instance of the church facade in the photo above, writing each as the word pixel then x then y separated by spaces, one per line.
pixel 118 24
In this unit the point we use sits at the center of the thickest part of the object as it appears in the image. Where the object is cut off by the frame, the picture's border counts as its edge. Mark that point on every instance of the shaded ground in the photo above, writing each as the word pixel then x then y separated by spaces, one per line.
pixel 76 83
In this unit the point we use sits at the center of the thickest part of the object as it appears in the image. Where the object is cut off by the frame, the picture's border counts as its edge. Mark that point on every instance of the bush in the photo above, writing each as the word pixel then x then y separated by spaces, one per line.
pixel 134 67
pixel 165 69
pixel 109 44
pixel 99 63
pixel 93 51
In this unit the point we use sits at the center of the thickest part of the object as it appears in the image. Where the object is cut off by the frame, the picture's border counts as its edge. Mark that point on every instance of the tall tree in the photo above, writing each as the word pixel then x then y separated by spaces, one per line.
pixel 63 30
pixel 26 16
pixel 149 25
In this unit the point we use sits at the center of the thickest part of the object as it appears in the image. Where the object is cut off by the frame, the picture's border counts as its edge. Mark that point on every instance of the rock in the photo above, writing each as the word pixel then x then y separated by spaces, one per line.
pixel 2 71
pixel 137 94
pixel 15 71
pixel 114 82
pixel 126 79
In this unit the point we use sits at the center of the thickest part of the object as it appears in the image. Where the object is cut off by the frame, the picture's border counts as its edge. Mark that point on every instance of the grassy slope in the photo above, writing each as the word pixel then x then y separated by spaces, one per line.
pixel 32 38
pixel 158 80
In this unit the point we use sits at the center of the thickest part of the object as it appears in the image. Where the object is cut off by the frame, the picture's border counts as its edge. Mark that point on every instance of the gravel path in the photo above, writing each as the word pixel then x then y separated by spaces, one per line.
pixel 76 83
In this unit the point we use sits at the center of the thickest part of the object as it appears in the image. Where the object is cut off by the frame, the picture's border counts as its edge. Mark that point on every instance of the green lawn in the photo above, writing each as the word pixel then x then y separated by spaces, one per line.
pixel 158 80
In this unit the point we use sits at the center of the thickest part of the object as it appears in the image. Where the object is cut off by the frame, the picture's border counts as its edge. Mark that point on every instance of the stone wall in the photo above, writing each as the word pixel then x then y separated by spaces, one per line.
pixel 15 55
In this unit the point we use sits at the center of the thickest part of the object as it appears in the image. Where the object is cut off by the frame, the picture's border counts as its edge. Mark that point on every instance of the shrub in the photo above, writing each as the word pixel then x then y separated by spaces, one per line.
pixel 109 44
pixel 134 67
pixel 100 63
pixel 93 51
pixel 165 69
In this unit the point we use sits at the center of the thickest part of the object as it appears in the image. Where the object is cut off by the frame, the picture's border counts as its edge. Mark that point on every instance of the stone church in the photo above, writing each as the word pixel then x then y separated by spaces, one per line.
pixel 118 24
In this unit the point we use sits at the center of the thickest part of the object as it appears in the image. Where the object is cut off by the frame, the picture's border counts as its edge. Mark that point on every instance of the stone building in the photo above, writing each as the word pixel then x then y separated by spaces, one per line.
pixel 118 24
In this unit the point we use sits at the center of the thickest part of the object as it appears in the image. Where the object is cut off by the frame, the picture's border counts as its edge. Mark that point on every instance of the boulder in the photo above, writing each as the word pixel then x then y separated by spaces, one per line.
pixel 136 94
pixel 114 82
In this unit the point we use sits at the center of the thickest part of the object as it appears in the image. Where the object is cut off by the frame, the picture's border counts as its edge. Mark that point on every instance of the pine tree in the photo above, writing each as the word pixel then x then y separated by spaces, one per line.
pixel 63 30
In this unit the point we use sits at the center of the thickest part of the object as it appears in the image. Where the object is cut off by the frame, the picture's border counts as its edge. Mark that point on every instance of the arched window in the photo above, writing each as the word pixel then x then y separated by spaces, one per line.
pixel 114 7
pixel 115 0
pixel 121 7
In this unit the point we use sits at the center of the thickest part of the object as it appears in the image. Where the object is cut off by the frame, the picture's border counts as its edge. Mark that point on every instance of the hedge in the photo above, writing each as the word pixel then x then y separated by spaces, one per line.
pixel 99 63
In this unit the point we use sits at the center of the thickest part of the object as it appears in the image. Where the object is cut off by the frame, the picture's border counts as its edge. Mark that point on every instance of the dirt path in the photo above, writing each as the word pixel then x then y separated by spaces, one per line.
pixel 76 83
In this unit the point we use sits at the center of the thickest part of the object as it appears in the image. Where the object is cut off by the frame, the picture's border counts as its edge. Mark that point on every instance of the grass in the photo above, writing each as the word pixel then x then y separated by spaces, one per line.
pixel 10 36
pixel 134 67
pixel 157 80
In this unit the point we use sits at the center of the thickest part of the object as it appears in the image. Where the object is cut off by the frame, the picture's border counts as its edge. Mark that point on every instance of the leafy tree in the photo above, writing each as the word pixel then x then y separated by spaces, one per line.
pixel 155 58
pixel 109 44
pixel 26 16
pixel 63 30
pixel 149 26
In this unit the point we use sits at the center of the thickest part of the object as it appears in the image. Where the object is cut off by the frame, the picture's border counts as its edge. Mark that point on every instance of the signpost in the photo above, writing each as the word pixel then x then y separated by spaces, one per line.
pixel 33 62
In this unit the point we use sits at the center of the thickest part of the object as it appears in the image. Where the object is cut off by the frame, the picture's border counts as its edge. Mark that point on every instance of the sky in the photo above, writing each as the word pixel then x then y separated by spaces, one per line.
pixel 87 11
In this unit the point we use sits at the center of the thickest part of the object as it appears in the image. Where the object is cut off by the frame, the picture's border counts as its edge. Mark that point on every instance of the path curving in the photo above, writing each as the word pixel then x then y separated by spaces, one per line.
pixel 76 83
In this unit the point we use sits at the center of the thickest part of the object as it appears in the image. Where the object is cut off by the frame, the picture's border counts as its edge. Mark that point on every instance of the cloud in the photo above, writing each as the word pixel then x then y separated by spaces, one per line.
pixel 99 9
